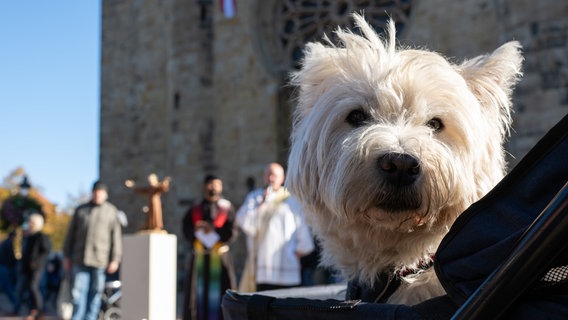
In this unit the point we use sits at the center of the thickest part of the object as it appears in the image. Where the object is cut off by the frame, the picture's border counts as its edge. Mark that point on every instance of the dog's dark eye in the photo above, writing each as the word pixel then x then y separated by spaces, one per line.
pixel 357 118
pixel 436 124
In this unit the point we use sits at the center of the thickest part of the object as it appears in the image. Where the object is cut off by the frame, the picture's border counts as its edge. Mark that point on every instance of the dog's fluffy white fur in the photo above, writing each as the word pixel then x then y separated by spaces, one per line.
pixel 390 145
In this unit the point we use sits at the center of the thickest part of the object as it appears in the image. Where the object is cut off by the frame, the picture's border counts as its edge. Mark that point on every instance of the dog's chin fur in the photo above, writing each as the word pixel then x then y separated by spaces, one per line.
pixel 451 118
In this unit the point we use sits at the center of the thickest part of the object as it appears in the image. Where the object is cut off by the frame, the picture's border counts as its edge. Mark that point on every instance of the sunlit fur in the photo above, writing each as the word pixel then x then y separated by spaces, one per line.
pixel 333 168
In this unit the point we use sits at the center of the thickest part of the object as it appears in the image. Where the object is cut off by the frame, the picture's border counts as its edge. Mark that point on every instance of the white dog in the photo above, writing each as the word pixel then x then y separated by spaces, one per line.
pixel 389 146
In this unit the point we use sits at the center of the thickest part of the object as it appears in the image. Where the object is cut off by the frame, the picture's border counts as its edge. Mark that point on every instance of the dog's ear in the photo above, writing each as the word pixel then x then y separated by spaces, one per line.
pixel 492 77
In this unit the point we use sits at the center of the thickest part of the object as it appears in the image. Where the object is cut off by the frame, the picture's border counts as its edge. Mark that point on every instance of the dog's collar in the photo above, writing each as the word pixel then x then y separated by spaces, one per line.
pixel 385 285
pixel 387 282
pixel 423 264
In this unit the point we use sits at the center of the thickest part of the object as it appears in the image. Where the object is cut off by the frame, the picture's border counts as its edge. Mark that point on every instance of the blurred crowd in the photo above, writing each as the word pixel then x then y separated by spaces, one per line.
pixel 262 244
pixel 12 283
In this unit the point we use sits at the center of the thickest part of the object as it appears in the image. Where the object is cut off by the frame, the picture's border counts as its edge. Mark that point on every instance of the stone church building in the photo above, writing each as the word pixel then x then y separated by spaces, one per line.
pixel 187 89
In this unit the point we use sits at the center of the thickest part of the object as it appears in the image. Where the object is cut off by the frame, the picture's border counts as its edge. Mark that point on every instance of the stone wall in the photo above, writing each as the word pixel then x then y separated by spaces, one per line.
pixel 469 28
pixel 186 91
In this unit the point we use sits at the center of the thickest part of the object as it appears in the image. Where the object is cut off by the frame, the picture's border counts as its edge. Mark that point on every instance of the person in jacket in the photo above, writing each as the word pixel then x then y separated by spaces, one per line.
pixel 8 269
pixel 35 251
pixel 93 246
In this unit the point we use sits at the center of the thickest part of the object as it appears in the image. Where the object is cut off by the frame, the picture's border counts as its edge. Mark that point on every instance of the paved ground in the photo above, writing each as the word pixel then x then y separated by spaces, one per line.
pixel 6 307
pixel 23 318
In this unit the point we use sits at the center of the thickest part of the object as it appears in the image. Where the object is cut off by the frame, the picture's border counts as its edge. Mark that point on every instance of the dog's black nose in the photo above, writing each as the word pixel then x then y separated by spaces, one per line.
pixel 399 169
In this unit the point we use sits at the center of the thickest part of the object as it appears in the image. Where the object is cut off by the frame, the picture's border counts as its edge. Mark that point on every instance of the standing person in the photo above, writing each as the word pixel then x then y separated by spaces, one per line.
pixel 8 264
pixel 92 246
pixel 209 227
pixel 277 236
pixel 35 250
pixel 52 281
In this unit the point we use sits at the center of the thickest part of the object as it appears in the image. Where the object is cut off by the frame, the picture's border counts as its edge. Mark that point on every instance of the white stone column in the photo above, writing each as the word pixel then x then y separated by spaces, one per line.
pixel 148 276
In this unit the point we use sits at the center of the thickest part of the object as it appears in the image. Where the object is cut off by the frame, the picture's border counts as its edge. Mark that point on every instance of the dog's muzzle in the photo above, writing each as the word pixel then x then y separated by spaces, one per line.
pixel 399 169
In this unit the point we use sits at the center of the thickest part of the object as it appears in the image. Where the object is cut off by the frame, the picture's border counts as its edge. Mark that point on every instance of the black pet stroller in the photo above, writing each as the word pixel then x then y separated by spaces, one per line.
pixel 505 257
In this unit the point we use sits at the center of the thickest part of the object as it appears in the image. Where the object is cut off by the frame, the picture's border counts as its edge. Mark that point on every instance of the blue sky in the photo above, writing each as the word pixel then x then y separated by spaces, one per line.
pixel 49 94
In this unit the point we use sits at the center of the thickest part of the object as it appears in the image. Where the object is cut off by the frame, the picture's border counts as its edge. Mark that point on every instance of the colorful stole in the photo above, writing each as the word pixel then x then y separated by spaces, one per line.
pixel 219 221
pixel 208 266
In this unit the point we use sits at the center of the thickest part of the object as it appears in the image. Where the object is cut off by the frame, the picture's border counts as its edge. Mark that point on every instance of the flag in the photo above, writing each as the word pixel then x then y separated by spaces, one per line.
pixel 229 8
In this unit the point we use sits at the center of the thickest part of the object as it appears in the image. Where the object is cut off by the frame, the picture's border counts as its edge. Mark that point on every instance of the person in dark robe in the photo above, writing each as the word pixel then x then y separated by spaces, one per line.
pixel 209 228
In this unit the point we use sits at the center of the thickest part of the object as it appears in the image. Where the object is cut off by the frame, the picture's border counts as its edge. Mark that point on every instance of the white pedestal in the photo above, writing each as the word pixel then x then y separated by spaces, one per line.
pixel 148 275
